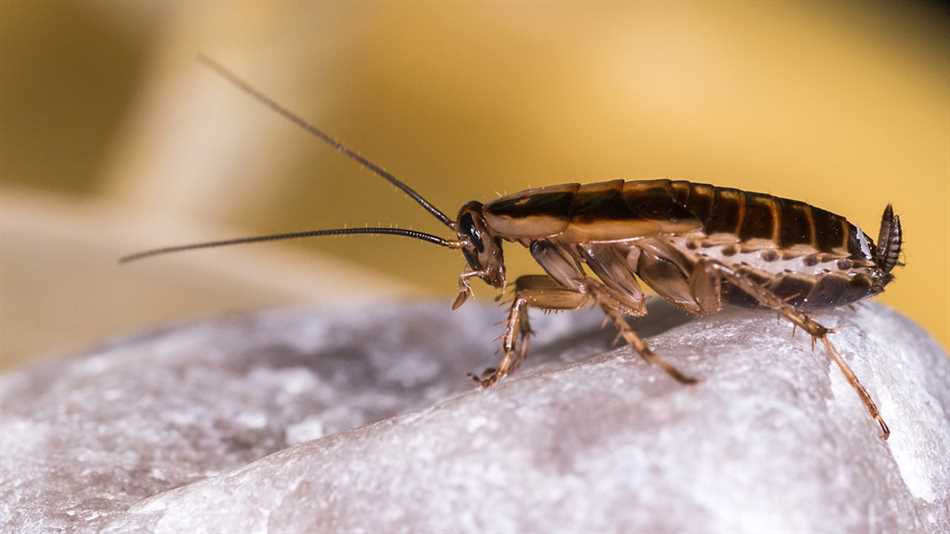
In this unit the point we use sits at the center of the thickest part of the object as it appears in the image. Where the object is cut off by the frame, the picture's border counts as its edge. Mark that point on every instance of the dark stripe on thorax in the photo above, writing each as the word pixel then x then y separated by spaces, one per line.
pixel 599 201
pixel 549 204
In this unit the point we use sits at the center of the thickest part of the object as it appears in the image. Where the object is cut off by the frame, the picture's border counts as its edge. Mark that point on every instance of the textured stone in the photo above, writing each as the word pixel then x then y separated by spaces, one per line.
pixel 362 420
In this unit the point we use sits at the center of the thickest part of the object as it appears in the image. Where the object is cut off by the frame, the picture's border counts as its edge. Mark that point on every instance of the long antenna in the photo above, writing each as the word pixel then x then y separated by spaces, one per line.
pixel 415 234
pixel 325 137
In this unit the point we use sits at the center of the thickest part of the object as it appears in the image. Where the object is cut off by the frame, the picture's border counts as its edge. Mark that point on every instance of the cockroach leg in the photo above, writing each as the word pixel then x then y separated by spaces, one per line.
pixel 612 310
pixel 537 291
pixel 617 339
pixel 818 332
pixel 545 293
pixel 706 288
pixel 465 289
pixel 853 380
pixel 514 343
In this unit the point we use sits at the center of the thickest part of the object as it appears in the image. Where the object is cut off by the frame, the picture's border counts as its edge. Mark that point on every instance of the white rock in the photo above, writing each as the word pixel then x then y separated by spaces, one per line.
pixel 174 431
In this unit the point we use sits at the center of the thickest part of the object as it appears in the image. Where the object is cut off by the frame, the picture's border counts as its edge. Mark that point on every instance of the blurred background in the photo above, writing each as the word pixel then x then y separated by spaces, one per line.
pixel 113 138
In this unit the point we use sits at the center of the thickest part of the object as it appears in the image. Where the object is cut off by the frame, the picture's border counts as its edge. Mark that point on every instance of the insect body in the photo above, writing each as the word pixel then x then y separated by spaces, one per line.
pixel 696 245
pixel 663 229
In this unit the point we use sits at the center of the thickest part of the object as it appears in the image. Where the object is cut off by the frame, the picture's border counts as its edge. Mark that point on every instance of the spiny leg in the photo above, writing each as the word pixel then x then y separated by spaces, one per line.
pixel 769 299
pixel 612 310
pixel 465 289
pixel 514 344
pixel 544 292
pixel 531 290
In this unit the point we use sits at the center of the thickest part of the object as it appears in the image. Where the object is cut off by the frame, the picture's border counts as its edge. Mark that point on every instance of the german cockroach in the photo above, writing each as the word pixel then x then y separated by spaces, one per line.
pixel 696 245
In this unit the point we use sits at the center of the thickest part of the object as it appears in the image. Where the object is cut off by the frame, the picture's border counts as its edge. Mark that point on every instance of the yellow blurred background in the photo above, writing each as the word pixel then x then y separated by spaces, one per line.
pixel 113 138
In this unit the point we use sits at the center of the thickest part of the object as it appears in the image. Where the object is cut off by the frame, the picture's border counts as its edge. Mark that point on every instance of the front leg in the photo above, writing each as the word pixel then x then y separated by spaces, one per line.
pixel 537 291
pixel 465 289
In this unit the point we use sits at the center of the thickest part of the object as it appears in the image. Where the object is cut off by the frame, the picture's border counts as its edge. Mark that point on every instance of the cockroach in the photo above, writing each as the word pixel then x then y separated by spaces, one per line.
pixel 696 245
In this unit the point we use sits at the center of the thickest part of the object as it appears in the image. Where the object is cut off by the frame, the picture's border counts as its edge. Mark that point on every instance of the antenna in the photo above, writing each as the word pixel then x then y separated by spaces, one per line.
pixel 295 235
pixel 325 137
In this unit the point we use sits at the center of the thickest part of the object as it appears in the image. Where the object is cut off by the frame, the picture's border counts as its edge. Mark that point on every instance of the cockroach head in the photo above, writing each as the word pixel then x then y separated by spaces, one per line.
pixel 482 249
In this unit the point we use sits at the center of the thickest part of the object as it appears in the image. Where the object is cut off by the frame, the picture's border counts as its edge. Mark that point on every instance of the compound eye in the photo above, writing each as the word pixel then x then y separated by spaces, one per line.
pixel 469 229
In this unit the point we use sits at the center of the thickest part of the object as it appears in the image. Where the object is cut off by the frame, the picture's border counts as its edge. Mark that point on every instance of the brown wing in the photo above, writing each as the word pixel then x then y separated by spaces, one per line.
pixel 604 211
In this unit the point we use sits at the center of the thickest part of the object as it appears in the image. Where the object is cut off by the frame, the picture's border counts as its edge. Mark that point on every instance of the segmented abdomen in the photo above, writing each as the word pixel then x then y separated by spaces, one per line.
pixel 620 209
pixel 785 222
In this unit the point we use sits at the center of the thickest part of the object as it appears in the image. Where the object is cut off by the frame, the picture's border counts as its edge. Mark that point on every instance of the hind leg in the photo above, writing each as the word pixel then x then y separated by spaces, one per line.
pixel 767 298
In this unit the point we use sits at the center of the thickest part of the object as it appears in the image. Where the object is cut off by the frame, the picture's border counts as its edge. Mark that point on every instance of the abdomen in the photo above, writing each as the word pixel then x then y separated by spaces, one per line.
pixel 772 222
pixel 808 256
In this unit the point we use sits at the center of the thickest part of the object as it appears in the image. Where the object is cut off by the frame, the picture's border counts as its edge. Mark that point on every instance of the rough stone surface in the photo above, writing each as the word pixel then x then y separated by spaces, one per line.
pixel 362 420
